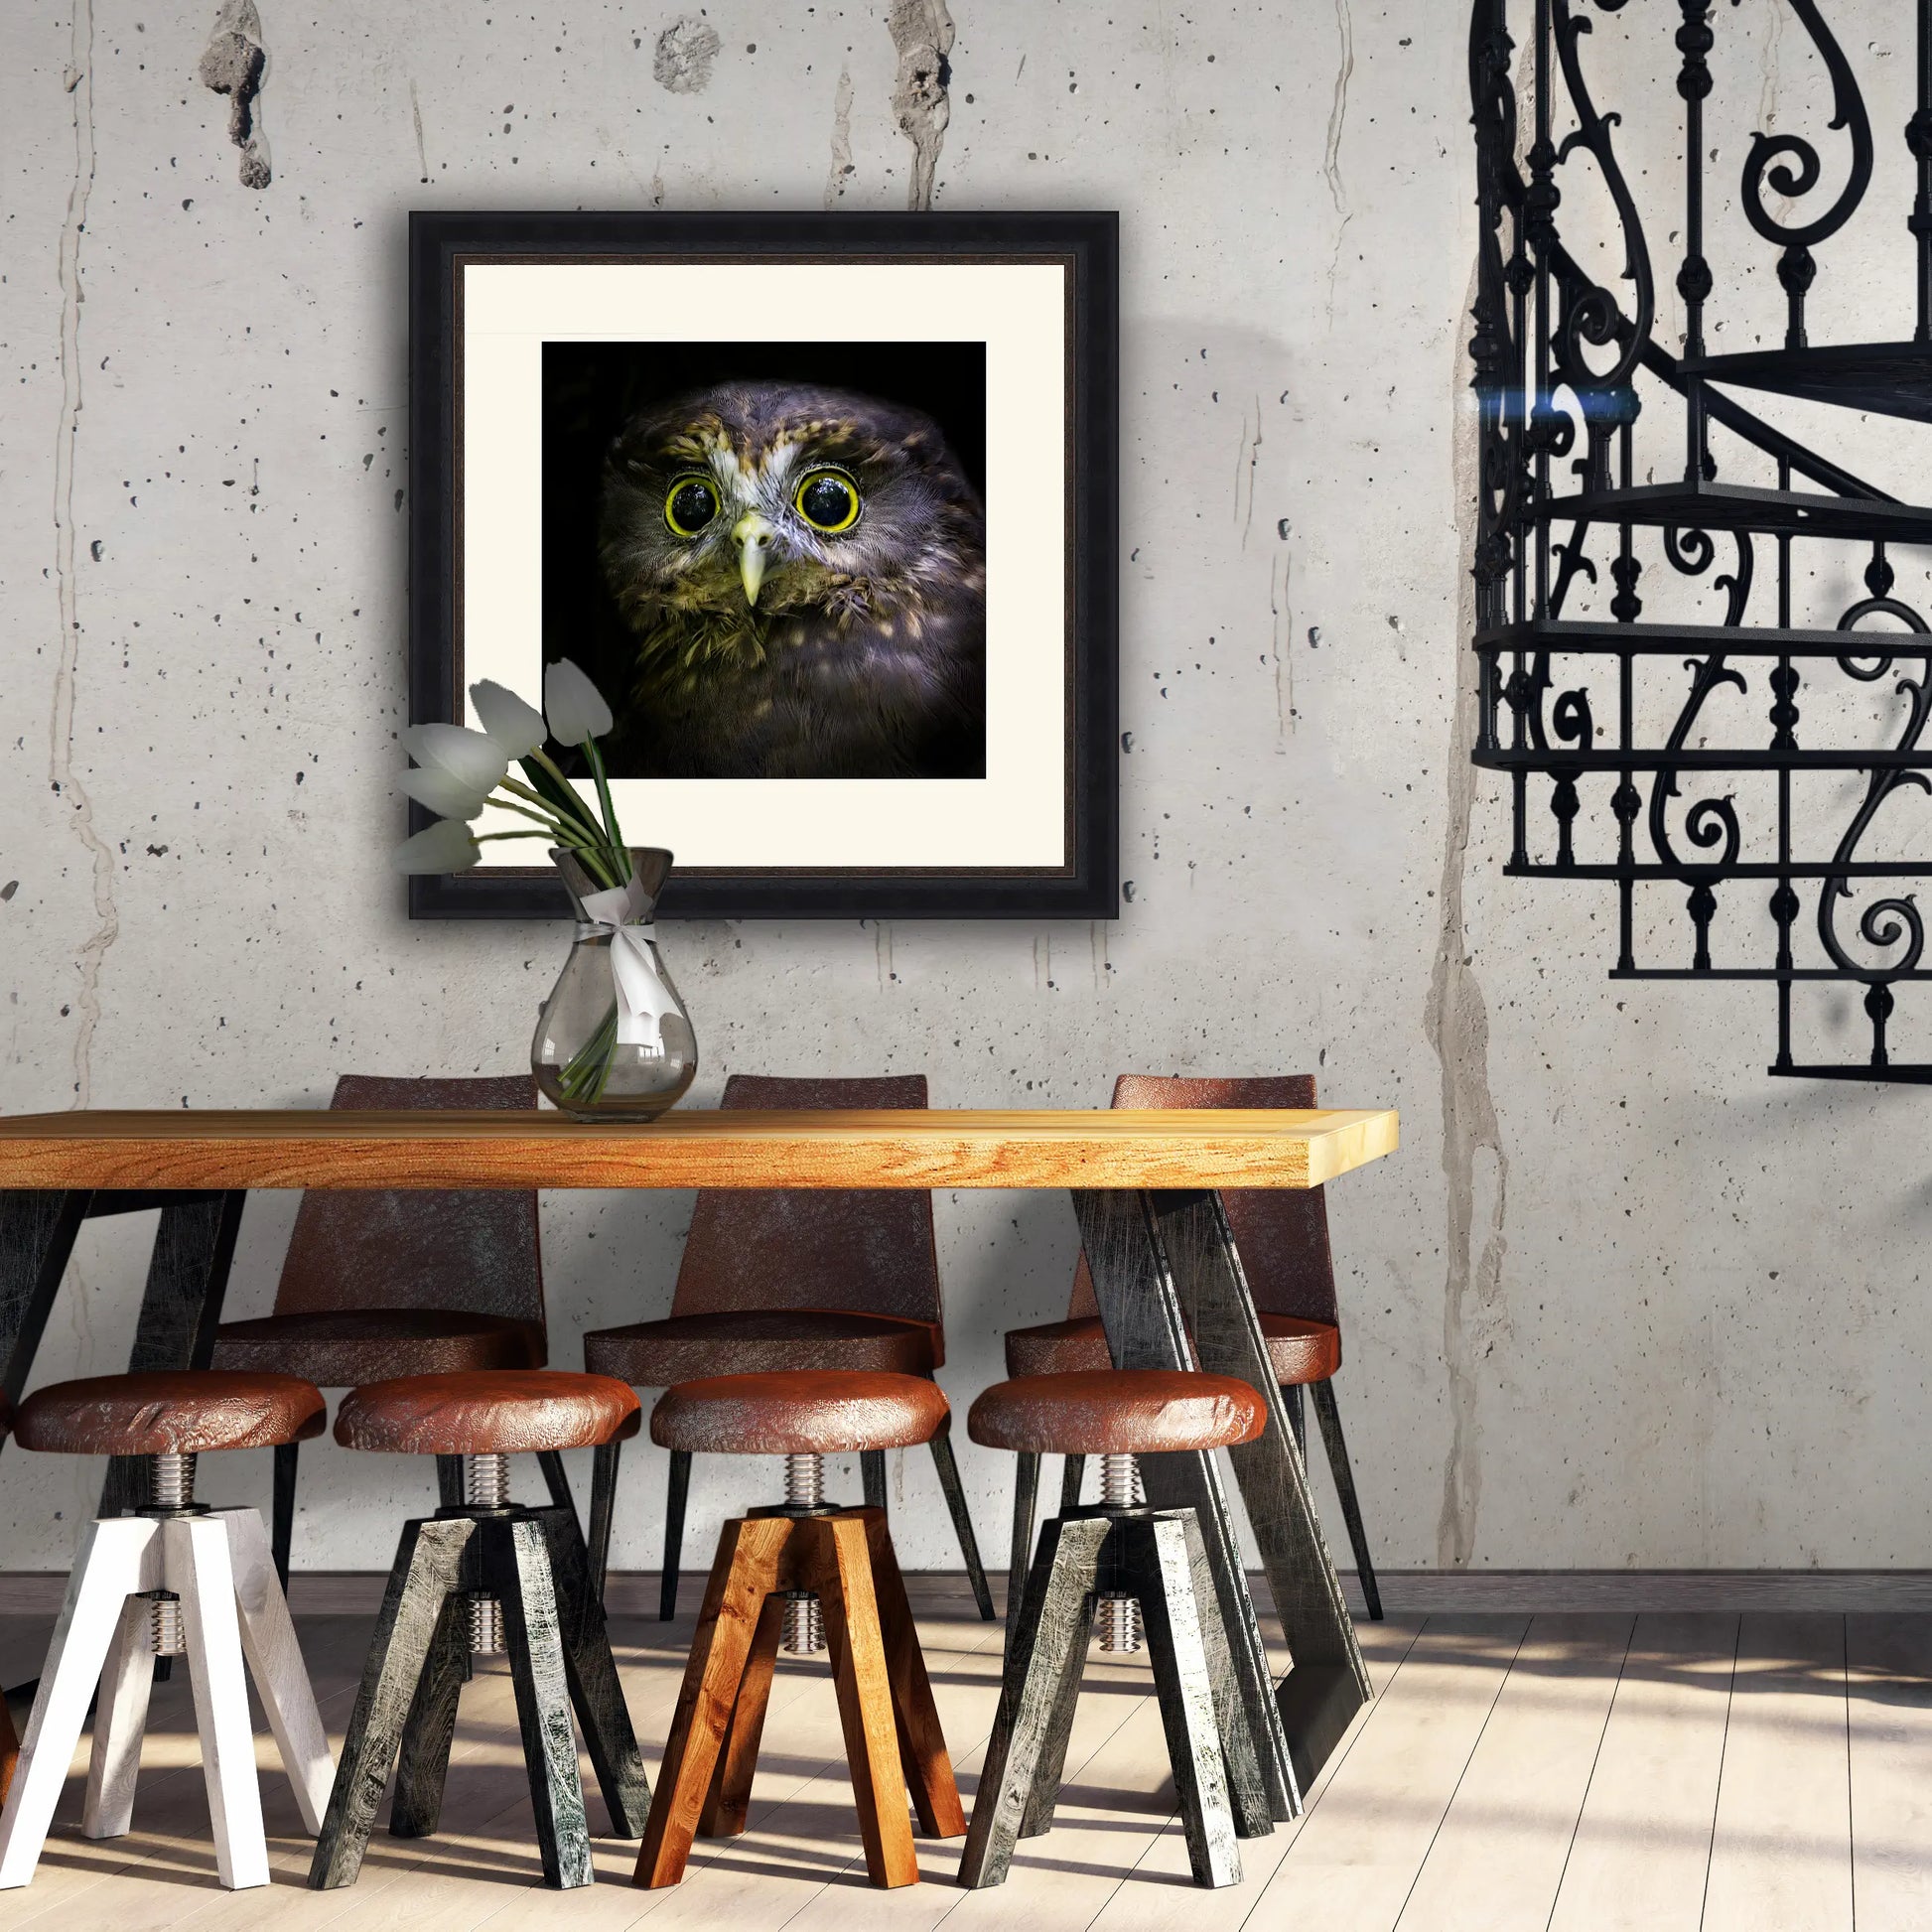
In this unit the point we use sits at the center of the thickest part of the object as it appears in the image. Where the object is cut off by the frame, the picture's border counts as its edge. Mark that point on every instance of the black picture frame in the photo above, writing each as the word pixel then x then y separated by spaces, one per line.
pixel 1086 886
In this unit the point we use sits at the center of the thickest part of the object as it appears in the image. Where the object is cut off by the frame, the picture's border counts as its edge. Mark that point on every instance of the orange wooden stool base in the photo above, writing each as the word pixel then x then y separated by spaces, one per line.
pixel 891 1727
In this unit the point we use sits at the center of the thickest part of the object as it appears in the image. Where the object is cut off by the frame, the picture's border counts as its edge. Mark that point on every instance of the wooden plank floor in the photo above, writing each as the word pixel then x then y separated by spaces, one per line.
pixel 1567 1773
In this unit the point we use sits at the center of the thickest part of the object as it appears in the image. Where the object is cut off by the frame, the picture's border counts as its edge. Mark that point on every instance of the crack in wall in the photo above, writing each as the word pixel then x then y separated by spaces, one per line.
pixel 1246 462
pixel 922 33
pixel 235 62
pixel 60 748
pixel 842 168
pixel 416 115
pixel 1457 1025
pixel 1280 571
pixel 1332 154
pixel 1767 93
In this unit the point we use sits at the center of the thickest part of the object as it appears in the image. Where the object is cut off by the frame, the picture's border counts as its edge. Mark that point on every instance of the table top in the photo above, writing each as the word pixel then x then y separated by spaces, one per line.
pixel 691 1148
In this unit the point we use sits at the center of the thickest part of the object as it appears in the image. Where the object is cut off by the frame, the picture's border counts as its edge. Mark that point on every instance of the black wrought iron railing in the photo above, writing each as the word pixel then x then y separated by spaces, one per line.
pixel 1741 776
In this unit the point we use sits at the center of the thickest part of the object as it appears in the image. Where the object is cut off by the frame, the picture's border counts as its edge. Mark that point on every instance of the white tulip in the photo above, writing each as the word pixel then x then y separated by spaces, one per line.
pixel 447 797
pixel 445 846
pixel 573 704
pixel 474 759
pixel 518 727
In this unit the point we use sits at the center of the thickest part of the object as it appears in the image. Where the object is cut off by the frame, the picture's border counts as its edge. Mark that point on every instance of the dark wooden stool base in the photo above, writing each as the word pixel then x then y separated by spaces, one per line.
pixel 532 1561
pixel 1158 1556
pixel 892 1737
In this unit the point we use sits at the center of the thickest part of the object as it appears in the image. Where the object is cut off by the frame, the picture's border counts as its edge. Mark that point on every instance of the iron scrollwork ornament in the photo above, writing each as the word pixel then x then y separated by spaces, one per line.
pixel 1574 389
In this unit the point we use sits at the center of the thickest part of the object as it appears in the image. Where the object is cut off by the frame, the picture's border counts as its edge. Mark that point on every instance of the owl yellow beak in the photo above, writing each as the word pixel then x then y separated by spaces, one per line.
pixel 752 535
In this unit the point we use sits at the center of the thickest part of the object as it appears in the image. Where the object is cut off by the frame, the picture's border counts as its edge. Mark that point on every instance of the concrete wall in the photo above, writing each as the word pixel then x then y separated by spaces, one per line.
pixel 1619 1301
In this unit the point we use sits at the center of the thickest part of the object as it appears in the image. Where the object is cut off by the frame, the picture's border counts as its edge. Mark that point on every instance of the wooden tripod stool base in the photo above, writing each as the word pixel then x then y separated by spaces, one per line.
pixel 481 1576
pixel 892 1737
pixel 1118 1556
pixel 176 1578
pixel 1088 1557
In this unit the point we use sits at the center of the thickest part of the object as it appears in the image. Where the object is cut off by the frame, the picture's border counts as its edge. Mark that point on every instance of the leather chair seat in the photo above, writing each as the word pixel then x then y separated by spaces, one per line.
pixel 1299 1351
pixel 798 1411
pixel 343 1348
pixel 753 1341
pixel 181 1412
pixel 498 1412
pixel 1117 1412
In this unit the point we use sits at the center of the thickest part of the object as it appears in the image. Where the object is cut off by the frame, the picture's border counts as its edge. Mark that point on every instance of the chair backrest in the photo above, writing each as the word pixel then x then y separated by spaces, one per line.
pixel 861 1249
pixel 1279 1233
pixel 472 1249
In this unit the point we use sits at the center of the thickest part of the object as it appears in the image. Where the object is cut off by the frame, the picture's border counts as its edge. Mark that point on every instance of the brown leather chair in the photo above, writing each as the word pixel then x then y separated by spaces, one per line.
pixel 1131 1568
pixel 808 1577
pixel 791 1279
pixel 411 1282
pixel 1282 1237
pixel 486 1575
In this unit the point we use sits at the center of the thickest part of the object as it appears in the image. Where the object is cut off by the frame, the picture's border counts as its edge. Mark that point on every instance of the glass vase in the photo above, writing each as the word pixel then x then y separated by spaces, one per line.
pixel 613 1040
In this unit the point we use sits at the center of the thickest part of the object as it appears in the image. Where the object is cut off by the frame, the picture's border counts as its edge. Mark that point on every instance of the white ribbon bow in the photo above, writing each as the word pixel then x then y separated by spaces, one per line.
pixel 642 1001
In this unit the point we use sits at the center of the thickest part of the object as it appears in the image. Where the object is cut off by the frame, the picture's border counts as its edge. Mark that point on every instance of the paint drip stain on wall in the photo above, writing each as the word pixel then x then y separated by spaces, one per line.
pixel 235 62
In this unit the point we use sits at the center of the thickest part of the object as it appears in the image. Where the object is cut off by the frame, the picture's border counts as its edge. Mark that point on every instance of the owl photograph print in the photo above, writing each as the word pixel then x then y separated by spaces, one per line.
pixel 772 556
pixel 824 503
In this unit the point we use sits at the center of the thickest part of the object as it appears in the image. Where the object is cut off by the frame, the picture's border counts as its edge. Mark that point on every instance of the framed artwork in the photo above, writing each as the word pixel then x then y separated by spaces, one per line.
pixel 825 506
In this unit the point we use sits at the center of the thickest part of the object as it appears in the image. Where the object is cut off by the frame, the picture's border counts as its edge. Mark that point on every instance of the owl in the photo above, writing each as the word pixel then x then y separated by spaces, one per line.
pixel 800 574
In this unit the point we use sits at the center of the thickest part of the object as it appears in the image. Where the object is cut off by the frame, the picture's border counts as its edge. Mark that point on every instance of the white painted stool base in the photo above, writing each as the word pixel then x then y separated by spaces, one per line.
pixel 219 1565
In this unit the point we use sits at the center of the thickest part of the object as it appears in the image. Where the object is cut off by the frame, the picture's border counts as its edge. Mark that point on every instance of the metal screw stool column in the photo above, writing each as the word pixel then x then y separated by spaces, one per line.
pixel 171 1486
pixel 486 1485
pixel 804 1614
pixel 1120 1614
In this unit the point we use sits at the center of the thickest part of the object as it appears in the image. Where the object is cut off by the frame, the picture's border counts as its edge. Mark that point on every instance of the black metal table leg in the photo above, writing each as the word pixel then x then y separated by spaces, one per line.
pixel 1141 1311
pixel 1328 1682
pixel 37 1236
pixel 181 1306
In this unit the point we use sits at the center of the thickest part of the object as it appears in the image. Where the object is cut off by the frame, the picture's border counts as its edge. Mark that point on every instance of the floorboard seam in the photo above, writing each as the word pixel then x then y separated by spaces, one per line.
pixel 1329 1772
pixel 1474 1746
pixel 1850 1835
pixel 1716 1796
pixel 1597 1756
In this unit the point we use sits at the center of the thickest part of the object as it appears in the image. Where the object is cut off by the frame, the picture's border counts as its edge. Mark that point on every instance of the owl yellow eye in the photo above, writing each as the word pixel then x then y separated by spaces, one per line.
pixel 828 500
pixel 692 504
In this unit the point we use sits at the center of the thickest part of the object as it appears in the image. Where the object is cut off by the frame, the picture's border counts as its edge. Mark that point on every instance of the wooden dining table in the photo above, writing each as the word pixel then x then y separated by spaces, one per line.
pixel 1145 1193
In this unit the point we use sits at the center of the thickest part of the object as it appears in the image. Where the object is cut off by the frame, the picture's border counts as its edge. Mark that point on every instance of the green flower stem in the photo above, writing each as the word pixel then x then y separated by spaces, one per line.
pixel 596 759
pixel 587 843
pixel 523 811
pixel 559 792
pixel 554 808
pixel 550 765
pixel 588 1071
